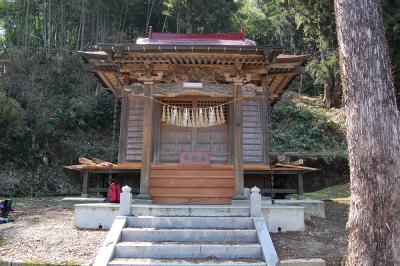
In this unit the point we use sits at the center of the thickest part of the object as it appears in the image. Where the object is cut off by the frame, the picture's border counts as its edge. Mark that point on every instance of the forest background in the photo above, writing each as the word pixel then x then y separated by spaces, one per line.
pixel 52 110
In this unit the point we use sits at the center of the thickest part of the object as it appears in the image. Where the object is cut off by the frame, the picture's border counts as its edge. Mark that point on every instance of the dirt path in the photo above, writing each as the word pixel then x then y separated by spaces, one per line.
pixel 323 238
pixel 45 233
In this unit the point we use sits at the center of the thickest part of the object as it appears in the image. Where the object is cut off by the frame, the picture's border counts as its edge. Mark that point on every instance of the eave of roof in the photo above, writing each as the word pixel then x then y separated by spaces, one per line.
pixel 129 47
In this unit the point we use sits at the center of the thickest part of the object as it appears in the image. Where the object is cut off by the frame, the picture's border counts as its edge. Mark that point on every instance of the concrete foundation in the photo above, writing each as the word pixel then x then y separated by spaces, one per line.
pixel 277 217
pixel 95 215
pixel 311 207
pixel 281 218
pixel 69 202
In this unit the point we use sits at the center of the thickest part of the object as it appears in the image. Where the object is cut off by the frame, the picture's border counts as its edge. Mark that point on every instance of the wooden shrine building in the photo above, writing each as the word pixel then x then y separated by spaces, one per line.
pixel 194 117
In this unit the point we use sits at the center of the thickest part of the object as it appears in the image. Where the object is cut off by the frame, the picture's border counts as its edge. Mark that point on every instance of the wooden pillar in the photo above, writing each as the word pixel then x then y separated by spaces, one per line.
pixel 123 128
pixel 156 132
pixel 265 115
pixel 238 140
pixel 147 142
pixel 231 136
pixel 300 188
pixel 85 184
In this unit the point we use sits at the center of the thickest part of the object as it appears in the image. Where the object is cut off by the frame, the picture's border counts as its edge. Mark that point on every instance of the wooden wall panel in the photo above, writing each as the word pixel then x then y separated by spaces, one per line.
pixel 134 133
pixel 177 184
pixel 174 139
pixel 253 139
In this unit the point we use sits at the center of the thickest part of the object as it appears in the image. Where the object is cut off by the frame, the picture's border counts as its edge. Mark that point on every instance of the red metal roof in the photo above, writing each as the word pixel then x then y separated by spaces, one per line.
pixel 237 38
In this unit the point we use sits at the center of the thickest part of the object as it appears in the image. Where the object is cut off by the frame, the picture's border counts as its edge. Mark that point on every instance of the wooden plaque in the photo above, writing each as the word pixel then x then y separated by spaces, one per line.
pixel 194 158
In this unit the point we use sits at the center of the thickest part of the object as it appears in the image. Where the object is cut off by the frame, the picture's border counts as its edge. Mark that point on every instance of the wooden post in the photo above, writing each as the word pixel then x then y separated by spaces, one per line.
pixel 85 184
pixel 123 128
pixel 265 115
pixel 238 140
pixel 231 128
pixel 300 188
pixel 156 132
pixel 147 140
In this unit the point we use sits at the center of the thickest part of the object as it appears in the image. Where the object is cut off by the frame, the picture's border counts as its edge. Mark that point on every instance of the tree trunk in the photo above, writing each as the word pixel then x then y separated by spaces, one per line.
pixel 373 134
pixel 332 92
pixel 26 38
pixel 83 25
pixel 45 31
pixel 189 19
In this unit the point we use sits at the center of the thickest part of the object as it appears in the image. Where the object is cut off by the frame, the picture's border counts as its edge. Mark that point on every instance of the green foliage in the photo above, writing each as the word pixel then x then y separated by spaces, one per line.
pixel 11 113
pixel 45 102
pixel 391 13
pixel 324 70
pixel 255 22
pixel 207 16
pixel 303 124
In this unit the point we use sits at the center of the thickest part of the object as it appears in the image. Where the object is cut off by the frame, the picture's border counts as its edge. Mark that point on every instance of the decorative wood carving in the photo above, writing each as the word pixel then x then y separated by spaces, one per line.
pixel 174 90
pixel 212 90
pixel 251 90
pixel 194 74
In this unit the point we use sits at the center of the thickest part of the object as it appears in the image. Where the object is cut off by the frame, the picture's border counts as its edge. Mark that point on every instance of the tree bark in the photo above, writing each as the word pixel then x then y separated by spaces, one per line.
pixel 189 19
pixel 26 37
pixel 373 134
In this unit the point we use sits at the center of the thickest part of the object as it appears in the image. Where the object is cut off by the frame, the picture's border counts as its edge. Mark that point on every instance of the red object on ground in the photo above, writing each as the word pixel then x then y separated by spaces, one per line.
pixel 115 192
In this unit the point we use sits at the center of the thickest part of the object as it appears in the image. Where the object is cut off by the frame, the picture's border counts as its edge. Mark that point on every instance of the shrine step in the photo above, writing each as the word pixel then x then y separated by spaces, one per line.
pixel 189 210
pixel 191 222
pixel 178 250
pixel 186 262
pixel 189 235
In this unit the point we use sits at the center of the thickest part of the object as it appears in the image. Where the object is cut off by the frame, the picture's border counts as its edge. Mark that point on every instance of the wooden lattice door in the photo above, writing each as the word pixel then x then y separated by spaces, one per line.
pixel 214 139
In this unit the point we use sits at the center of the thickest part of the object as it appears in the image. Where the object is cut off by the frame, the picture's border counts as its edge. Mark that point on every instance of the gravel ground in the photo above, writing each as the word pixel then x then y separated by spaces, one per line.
pixel 43 232
pixel 323 238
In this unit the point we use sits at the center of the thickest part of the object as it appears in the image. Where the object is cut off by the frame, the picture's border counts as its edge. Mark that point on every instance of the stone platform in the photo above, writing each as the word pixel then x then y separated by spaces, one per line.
pixel 278 218
pixel 69 202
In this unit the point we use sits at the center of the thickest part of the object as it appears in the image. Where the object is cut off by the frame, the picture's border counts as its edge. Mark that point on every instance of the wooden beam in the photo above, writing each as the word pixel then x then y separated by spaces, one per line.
pixel 105 79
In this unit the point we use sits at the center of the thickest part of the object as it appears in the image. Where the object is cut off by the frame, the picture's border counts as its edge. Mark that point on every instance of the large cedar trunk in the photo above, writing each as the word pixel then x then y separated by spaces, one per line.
pixel 373 134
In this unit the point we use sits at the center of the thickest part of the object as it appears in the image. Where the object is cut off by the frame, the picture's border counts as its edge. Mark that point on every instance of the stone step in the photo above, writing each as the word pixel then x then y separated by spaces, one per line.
pixel 176 250
pixel 191 222
pixel 186 262
pixel 190 210
pixel 189 235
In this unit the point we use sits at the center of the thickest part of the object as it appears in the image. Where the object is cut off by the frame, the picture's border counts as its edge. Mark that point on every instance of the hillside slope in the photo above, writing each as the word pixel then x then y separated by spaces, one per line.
pixel 301 123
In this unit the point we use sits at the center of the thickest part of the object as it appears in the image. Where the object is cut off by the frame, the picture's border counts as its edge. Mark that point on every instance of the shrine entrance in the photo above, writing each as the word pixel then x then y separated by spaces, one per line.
pixel 176 139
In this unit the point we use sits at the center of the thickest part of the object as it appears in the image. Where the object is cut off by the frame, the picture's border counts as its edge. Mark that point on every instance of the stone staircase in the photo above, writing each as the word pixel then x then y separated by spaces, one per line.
pixel 190 235
pixel 190 241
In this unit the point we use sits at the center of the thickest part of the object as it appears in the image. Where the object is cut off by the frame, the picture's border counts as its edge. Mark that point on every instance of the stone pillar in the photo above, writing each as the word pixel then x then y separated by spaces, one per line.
pixel 238 140
pixel 255 202
pixel 85 184
pixel 147 142
pixel 125 201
